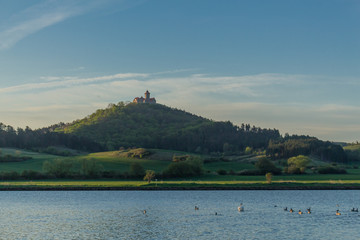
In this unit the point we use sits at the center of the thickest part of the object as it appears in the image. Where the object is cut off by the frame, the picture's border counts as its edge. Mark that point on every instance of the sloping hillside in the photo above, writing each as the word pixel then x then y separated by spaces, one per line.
pixel 159 126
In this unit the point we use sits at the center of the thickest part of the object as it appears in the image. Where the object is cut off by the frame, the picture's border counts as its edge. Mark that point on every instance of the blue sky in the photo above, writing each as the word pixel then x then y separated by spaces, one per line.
pixel 286 64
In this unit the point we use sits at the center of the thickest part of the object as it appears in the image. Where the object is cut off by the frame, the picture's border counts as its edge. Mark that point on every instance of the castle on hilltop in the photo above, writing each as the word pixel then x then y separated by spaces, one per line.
pixel 147 99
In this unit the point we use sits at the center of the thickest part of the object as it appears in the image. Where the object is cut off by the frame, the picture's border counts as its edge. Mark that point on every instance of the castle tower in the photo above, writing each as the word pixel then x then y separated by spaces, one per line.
pixel 147 99
pixel 147 96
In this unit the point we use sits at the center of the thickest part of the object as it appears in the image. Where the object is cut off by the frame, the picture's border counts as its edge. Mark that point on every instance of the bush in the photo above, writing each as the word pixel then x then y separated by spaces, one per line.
pixel 221 172
pixel 248 150
pixel 188 168
pixel 91 169
pixel 56 151
pixel 9 175
pixel 58 168
pixel 137 170
pixel 111 174
pixel 250 172
pixel 265 165
pixel 269 177
pixel 297 165
pixel 293 170
pixel 331 170
pixel 32 175
pixel 181 158
pixel 138 153
pixel 11 158
pixel 211 159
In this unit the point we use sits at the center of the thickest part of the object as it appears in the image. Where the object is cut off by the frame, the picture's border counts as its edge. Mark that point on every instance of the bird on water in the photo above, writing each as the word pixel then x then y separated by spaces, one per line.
pixel 241 208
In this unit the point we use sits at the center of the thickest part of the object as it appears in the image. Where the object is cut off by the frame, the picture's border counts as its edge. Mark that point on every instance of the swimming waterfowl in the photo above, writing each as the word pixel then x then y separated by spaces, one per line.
pixel 308 210
pixel 338 213
pixel 300 212
pixel 144 211
pixel 285 209
pixel 196 208
pixel 241 208
pixel 291 210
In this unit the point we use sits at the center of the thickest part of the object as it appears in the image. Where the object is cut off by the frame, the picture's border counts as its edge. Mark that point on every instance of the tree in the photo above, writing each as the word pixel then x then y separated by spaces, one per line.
pixel 136 170
pixel 298 164
pixel 59 168
pixel 248 150
pixel 90 168
pixel 150 175
pixel 268 177
pixel 265 166
pixel 187 168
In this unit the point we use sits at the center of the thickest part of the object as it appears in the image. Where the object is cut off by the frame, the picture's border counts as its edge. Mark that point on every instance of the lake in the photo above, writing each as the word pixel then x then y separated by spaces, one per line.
pixel 171 215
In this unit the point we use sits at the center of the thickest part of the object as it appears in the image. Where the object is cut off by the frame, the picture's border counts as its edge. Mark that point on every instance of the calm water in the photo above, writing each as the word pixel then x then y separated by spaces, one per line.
pixel 171 215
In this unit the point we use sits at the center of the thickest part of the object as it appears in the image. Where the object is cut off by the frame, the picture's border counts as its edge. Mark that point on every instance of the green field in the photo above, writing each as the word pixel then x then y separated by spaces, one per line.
pixel 99 184
pixel 158 161
pixel 352 147
pixel 113 160
pixel 35 163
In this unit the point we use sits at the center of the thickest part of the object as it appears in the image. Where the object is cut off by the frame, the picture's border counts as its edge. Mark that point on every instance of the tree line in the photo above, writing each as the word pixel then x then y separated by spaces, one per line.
pixel 43 138
pixel 290 146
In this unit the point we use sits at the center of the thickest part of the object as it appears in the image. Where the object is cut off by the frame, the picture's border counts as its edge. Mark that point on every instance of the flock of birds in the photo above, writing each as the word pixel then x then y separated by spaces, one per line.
pixel 308 210
pixel 240 208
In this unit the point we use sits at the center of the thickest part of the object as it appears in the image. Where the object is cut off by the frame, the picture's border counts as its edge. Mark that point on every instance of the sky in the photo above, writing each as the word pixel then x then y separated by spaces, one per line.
pixel 292 65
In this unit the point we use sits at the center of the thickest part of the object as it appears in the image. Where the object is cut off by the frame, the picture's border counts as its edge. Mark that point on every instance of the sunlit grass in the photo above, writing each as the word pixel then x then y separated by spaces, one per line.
pixel 117 162
pixel 172 184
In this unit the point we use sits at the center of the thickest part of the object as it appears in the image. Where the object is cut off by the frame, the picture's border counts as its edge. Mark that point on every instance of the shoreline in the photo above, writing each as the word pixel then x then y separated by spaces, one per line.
pixel 261 188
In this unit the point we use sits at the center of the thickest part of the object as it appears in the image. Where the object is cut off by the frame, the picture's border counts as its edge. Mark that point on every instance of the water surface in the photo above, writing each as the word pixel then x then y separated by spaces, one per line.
pixel 171 215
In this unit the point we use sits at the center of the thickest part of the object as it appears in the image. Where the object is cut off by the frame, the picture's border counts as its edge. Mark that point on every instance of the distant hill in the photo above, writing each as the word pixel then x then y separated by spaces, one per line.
pixel 159 126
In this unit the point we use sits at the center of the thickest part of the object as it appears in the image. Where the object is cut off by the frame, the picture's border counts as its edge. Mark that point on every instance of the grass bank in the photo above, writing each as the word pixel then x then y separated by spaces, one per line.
pixel 176 185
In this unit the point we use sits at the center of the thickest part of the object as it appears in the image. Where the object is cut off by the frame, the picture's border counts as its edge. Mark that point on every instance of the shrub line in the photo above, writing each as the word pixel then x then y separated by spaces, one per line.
pixel 178 188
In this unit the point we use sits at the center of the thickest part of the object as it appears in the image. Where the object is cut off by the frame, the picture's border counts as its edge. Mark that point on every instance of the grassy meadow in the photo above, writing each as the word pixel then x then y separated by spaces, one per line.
pixel 36 163
pixel 158 161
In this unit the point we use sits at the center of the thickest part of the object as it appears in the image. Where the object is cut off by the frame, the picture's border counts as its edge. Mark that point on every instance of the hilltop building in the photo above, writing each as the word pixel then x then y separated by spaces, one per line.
pixel 147 99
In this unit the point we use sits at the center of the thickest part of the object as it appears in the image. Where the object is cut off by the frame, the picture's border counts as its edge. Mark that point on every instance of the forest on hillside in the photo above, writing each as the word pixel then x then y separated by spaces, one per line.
pixel 157 126
pixel 43 138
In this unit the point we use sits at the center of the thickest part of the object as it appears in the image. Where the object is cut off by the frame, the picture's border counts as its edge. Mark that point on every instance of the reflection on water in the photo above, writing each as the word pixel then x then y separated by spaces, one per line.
pixel 171 215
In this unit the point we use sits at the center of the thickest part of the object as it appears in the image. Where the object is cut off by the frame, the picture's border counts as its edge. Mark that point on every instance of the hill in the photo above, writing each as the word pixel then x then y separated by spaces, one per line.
pixel 162 127
pixel 122 126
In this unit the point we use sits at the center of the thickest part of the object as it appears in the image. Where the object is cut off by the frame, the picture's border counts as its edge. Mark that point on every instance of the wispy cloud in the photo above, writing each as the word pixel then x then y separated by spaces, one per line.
pixel 60 82
pixel 294 105
pixel 185 83
pixel 40 16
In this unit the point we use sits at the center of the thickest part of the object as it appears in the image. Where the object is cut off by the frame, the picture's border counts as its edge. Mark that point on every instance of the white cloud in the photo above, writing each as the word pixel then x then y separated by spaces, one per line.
pixel 49 108
pixel 240 99
pixel 59 82
pixel 338 107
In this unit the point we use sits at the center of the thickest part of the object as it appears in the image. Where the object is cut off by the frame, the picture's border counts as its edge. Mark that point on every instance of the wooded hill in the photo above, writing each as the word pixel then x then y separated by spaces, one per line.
pixel 162 127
